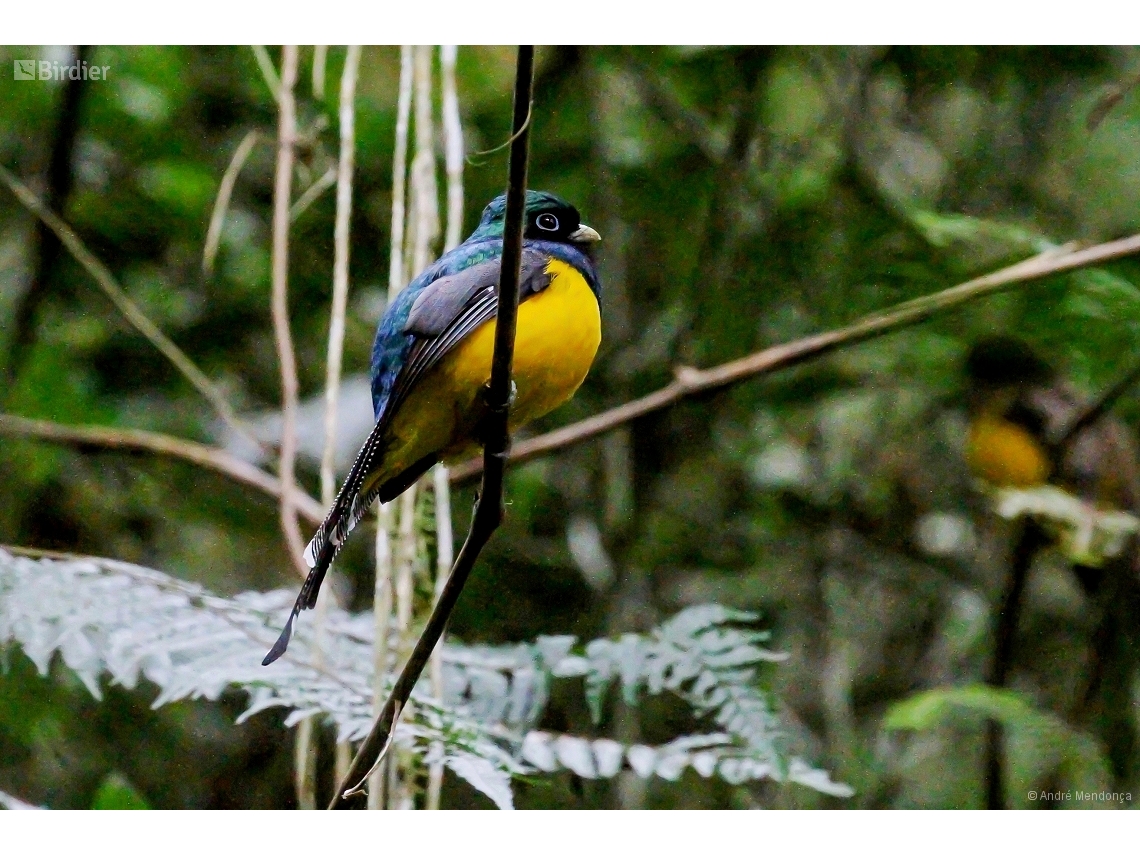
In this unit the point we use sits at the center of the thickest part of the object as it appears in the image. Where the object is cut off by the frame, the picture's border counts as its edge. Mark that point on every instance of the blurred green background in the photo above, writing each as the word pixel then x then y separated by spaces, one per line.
pixel 746 197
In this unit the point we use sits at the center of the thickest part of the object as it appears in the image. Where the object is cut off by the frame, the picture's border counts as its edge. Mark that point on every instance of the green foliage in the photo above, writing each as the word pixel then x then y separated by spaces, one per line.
pixel 116 793
pixel 1044 752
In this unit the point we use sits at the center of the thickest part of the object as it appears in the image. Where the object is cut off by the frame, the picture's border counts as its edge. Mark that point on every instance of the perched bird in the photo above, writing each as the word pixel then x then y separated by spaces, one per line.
pixel 1007 444
pixel 432 358
pixel 1020 422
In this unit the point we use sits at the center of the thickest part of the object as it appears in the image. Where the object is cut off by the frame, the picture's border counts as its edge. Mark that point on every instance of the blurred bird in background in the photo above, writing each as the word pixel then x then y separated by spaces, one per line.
pixel 432 359
pixel 1028 429
pixel 1024 433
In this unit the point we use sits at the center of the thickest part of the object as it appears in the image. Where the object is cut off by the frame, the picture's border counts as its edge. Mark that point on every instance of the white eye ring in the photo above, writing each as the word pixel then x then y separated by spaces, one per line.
pixel 547 222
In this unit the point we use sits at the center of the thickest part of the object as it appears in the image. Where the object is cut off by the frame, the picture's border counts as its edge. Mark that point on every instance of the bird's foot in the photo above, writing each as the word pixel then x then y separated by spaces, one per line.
pixel 490 405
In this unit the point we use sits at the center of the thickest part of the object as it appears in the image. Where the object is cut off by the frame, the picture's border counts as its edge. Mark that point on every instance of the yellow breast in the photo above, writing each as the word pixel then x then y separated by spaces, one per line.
pixel 1005 454
pixel 559 330
pixel 556 338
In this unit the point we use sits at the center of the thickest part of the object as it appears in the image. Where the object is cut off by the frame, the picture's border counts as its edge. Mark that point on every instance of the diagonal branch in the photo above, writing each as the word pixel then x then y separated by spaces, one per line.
pixel 489 509
pixel 102 276
pixel 128 439
pixel 1095 409
pixel 691 381
pixel 222 202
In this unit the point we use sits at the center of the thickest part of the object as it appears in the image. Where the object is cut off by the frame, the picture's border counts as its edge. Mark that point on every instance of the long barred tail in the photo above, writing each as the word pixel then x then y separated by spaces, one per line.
pixel 349 509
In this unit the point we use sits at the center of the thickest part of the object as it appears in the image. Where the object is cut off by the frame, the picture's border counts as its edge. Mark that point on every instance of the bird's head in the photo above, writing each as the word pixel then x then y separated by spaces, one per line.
pixel 546 217
pixel 1002 361
pixel 1000 371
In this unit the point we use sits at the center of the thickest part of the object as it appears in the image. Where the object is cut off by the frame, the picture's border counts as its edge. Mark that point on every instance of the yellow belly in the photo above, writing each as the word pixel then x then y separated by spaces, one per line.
pixel 556 339
pixel 1005 454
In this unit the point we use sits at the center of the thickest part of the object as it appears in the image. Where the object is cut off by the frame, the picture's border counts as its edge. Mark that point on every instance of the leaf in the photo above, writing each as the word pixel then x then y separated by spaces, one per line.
pixel 8 802
pixel 485 777
pixel 116 793
pixel 929 709
pixel 111 619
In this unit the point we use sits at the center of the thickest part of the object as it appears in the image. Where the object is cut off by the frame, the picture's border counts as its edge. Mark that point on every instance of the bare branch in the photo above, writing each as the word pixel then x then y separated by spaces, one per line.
pixel 126 439
pixel 441 494
pixel 423 221
pixel 312 193
pixel 222 202
pixel 305 754
pixel 399 174
pixel 383 592
pixel 452 146
pixel 1098 407
pixel 423 166
pixel 320 58
pixel 341 234
pixel 489 510
pixel 265 63
pixel 130 310
pixel 691 381
pixel 382 617
pixel 286 135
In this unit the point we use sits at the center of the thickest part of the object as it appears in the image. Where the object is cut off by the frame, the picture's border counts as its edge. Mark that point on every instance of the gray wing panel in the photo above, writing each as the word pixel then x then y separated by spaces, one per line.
pixel 443 301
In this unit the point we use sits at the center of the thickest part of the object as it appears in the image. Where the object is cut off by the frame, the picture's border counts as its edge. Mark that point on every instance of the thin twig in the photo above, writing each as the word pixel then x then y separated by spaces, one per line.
pixel 452 146
pixel 286 133
pixel 306 754
pixel 265 63
pixel 222 202
pixel 424 187
pixel 509 140
pixel 102 276
pixel 380 758
pixel 320 58
pixel 399 767
pixel 691 381
pixel 313 192
pixel 341 234
pixel 405 565
pixel 382 617
pixel 127 439
pixel 423 219
pixel 1106 102
pixel 1029 539
pixel 399 175
pixel 489 510
pixel 304 758
pixel 383 594
pixel 441 493
pixel 1096 408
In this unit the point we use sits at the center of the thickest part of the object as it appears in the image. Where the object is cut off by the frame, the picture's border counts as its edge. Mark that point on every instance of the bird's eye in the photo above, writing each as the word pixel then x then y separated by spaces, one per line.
pixel 547 222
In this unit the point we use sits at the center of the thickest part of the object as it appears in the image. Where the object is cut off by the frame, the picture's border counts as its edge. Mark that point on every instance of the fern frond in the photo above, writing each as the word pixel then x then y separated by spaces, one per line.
pixel 109 618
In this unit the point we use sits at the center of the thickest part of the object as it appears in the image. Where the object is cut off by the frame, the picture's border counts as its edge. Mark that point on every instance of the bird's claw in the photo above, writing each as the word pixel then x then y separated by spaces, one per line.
pixel 510 398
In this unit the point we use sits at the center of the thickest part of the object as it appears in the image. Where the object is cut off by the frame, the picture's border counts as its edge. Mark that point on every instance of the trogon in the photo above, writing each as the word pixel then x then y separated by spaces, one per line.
pixel 432 358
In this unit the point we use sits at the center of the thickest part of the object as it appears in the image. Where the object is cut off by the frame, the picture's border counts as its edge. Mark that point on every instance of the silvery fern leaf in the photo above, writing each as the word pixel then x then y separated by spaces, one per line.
pixel 107 618
pixel 8 802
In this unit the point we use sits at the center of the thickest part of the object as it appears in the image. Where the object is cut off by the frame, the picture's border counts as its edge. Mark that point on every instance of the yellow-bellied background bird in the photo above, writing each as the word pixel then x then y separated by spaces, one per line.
pixel 432 358
pixel 1019 414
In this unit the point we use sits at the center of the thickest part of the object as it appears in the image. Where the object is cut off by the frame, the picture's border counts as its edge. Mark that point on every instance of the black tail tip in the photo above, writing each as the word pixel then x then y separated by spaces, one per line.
pixel 282 642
